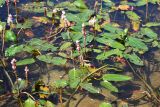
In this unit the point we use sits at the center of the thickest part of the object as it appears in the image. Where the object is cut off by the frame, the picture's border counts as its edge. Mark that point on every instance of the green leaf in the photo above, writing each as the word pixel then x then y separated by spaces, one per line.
pixel 74 78
pixel 134 59
pixel 110 42
pixel 149 33
pixel 27 24
pixel 20 85
pixel 13 49
pixel 115 77
pixel 65 45
pixel 151 24
pixel 41 45
pixel 10 36
pixel 52 60
pixel 132 15
pixel 89 87
pixel 137 43
pixel 109 53
pixel 104 104
pixel 108 86
pixel 49 104
pixel 2 2
pixel 113 29
pixel 80 4
pixel 25 61
pixel 29 103
pixel 60 83
pixel 111 35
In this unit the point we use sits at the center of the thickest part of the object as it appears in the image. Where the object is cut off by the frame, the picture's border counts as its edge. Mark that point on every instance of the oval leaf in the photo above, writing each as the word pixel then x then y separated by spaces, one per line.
pixel 109 86
pixel 104 104
pixel 89 87
pixel 29 103
pixel 25 61
pixel 115 77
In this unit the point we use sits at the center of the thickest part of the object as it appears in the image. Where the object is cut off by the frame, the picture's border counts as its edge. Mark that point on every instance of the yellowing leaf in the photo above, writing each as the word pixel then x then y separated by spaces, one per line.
pixel 41 19
pixel 135 25
pixel 45 90
pixel 123 7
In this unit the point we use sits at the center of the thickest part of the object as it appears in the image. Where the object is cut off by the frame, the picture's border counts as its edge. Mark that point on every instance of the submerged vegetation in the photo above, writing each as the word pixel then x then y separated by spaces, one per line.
pixel 101 40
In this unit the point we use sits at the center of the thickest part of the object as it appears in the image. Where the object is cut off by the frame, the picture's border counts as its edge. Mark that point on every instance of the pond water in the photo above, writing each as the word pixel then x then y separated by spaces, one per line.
pixel 141 91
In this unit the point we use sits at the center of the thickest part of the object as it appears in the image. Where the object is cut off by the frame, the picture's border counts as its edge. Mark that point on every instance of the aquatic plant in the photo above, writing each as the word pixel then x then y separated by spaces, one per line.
pixel 90 39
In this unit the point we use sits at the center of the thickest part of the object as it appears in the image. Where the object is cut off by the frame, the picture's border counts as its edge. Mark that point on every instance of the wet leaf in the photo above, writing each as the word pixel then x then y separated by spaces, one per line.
pixel 107 54
pixel 110 42
pixel 89 87
pixel 80 4
pixel 149 33
pixel 134 59
pixel 41 45
pixel 123 7
pixel 41 19
pixel 132 16
pixel 74 78
pixel 25 61
pixel 29 103
pixel 137 43
pixel 65 45
pixel 52 60
pixel 10 36
pixel 135 25
pixel 108 86
pixel 13 49
pixel 60 83
pixel 27 24
pixel 104 104
pixel 115 77
pixel 151 24
pixel 49 104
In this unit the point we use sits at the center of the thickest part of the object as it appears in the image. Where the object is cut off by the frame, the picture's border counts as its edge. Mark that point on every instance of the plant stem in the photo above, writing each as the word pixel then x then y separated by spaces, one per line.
pixel 145 83
pixel 146 10
pixel 60 97
pixel 67 103
pixel 6 73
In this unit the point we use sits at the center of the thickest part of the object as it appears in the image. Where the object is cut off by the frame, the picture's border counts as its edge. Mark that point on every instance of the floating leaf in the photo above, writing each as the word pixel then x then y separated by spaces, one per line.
pixel 51 59
pixel 110 42
pixel 74 78
pixel 29 103
pixel 41 45
pixel 123 7
pixel 13 49
pixel 115 77
pixel 89 87
pixel 135 25
pixel 108 86
pixel 109 53
pixel 27 24
pixel 151 24
pixel 112 29
pixel 25 61
pixel 65 45
pixel 60 83
pixel 104 104
pixel 49 104
pixel 134 59
pixel 149 33
pixel 10 36
pixel 137 43
pixel 2 2
pixel 80 4
pixel 132 15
